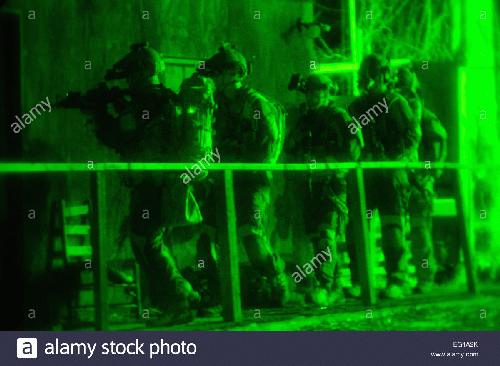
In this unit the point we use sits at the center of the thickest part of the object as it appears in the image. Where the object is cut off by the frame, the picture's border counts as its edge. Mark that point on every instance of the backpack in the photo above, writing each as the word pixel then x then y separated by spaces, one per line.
pixel 280 117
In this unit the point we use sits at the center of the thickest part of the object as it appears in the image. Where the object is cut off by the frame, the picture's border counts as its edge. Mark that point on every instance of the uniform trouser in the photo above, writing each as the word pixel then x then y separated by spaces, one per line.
pixel 388 191
pixel 152 210
pixel 252 198
pixel 420 209
pixel 325 216
pixel 207 249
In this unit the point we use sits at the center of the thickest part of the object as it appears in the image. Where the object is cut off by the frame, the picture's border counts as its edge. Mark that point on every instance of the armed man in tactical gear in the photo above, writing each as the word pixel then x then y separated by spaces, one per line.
pixel 249 129
pixel 432 148
pixel 323 136
pixel 147 129
pixel 390 135
pixel 197 107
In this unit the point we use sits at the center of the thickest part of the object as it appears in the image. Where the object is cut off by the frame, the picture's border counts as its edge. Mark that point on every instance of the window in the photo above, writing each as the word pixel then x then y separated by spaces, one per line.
pixel 178 69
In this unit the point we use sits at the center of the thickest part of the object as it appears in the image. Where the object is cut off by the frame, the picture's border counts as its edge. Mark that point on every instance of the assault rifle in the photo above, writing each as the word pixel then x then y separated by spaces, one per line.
pixel 95 99
pixel 95 103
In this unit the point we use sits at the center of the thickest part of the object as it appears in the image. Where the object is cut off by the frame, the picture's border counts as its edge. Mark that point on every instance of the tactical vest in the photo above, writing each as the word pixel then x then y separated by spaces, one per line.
pixel 155 140
pixel 385 137
pixel 326 135
pixel 148 133
pixel 240 133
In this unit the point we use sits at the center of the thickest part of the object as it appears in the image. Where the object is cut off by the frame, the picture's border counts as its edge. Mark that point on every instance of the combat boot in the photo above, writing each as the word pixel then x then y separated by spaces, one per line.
pixel 353 292
pixel 185 292
pixel 280 293
pixel 425 281
pixel 211 309
pixel 208 279
pixel 396 291
pixel 398 286
pixel 178 310
pixel 210 304
pixel 324 298
pixel 318 296
pixel 175 314
pixel 336 296
pixel 423 288
pixel 258 293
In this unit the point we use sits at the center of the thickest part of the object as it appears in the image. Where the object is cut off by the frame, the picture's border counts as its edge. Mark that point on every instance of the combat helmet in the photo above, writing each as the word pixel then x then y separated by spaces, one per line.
pixel 142 60
pixel 312 83
pixel 320 82
pixel 407 80
pixel 226 59
pixel 372 66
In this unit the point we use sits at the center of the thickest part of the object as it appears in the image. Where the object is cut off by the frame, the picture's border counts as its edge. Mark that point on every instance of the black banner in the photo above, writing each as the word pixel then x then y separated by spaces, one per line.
pixel 250 348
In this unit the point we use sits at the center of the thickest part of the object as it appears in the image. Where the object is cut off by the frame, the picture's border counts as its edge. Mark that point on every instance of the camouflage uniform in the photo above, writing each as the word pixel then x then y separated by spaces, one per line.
pixel 391 136
pixel 249 129
pixel 239 139
pixel 421 199
pixel 420 205
pixel 326 138
pixel 147 130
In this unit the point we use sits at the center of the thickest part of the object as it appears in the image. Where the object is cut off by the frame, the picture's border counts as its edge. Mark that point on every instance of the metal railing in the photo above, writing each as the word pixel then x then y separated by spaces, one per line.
pixel 226 215
pixel 74 167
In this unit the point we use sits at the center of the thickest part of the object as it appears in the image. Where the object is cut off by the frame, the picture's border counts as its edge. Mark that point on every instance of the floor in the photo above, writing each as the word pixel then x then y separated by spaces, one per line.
pixel 445 308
